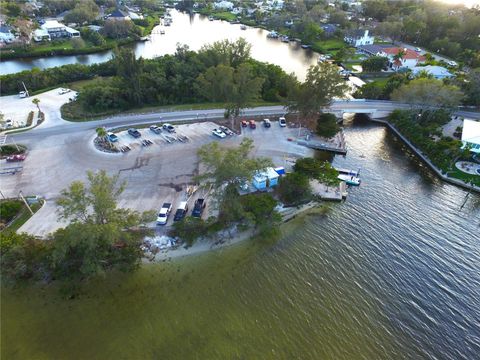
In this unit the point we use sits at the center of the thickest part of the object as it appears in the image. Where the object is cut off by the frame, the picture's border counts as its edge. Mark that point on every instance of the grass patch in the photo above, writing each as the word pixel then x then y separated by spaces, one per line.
pixel 80 84
pixel 458 174
pixel 224 15
pixel 23 214
pixel 328 46
pixel 75 112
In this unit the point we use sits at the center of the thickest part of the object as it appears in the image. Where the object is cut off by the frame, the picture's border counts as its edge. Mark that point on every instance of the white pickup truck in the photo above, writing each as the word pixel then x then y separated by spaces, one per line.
pixel 162 217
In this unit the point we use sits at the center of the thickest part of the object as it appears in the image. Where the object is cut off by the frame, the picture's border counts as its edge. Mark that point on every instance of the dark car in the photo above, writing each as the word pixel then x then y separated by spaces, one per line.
pixel 267 123
pixel 252 124
pixel 198 208
pixel 244 123
pixel 181 211
pixel 134 132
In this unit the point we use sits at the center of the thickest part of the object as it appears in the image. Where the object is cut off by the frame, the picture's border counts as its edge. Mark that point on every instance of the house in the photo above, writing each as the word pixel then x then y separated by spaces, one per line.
pixel 265 179
pixel 135 16
pixel 41 35
pixel 6 34
pixel 224 5
pixel 95 28
pixel 471 135
pixel 118 15
pixel 329 29
pixel 359 37
pixel 57 30
pixel 409 58
pixel 372 50
pixel 438 72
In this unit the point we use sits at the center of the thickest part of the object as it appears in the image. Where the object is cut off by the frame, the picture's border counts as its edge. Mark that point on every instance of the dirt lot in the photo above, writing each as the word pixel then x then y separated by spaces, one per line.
pixel 155 174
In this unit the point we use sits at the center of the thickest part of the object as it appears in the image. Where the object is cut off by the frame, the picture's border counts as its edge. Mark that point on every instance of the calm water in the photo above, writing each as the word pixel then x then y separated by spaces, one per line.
pixel 194 31
pixel 393 273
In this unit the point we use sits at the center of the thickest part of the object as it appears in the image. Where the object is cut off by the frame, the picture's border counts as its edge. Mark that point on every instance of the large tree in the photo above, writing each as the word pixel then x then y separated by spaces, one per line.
pixel 323 83
pixel 427 93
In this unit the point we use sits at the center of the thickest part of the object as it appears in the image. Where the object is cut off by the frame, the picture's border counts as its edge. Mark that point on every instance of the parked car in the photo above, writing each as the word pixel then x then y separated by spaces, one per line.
pixel 181 211
pixel 252 124
pixel 169 128
pixel 219 133
pixel 198 208
pixel 63 91
pixel 134 132
pixel 16 158
pixel 163 214
pixel 226 130
pixel 112 137
pixel 282 122
pixel 8 123
pixel 417 49
pixel 244 123
pixel 22 94
pixel 267 123
pixel 155 129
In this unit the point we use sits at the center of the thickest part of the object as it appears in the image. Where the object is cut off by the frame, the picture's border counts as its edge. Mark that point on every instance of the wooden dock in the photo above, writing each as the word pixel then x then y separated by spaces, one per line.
pixel 317 145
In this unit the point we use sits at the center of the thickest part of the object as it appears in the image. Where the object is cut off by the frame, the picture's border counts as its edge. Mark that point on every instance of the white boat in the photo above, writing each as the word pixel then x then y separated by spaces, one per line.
pixel 162 32
pixel 272 34
pixel 284 38
pixel 243 27
pixel 350 179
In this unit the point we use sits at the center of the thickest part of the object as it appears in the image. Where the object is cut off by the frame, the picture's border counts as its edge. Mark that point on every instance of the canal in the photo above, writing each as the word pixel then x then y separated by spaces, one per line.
pixel 195 31
pixel 392 273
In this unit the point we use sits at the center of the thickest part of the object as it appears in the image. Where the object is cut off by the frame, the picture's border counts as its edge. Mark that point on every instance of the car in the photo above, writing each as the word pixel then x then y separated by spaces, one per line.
pixel 163 214
pixel 181 211
pixel 63 91
pixel 8 123
pixel 198 208
pixel 22 94
pixel 155 129
pixel 226 130
pixel 282 122
pixel 267 123
pixel 134 132
pixel 16 158
pixel 252 124
pixel 417 49
pixel 112 137
pixel 168 127
pixel 219 133
pixel 452 63
pixel 244 123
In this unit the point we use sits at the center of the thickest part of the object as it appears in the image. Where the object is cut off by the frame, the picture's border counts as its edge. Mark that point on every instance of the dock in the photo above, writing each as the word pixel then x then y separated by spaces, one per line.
pixel 317 145
pixel 336 145
pixel 329 193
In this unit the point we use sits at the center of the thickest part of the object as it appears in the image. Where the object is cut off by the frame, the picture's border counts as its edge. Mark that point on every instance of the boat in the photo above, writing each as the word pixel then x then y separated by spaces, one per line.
pixel 284 38
pixel 162 32
pixel 243 27
pixel 349 179
pixel 348 172
pixel 272 34
pixel 211 18
pixel 305 46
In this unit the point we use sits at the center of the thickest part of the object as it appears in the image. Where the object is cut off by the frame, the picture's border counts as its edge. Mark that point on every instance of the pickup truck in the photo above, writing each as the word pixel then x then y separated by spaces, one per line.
pixel 198 208
pixel 162 217
pixel 155 129
pixel 134 132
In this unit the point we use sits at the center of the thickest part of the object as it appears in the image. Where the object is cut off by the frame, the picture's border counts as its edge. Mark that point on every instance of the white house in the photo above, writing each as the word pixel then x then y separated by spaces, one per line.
pixel 41 35
pixel 224 5
pixel 359 38
pixel 409 59
pixel 58 30
pixel 438 72
pixel 5 34
pixel 471 135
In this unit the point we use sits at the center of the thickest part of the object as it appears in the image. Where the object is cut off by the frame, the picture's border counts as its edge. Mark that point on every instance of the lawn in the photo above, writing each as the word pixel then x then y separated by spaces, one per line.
pixel 458 174
pixel 80 84
pixel 225 15
pixel 23 215
pixel 329 45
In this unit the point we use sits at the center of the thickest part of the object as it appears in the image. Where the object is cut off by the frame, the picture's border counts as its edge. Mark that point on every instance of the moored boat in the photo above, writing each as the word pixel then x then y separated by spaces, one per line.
pixel 350 179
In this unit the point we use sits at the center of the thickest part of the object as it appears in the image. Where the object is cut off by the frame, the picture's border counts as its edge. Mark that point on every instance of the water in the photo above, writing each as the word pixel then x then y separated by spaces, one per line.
pixel 390 274
pixel 194 31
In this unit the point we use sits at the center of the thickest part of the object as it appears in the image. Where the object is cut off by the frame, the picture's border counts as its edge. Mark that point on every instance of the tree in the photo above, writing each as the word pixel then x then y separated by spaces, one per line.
pixel 317 169
pixel 225 52
pixel 260 210
pixel 78 43
pixel 229 166
pixel 343 54
pixel 189 229
pixel 36 101
pixel 117 29
pixel 84 11
pixel 322 84
pixel 374 64
pixel 130 70
pixel 327 125
pixel 428 93
pixel 294 189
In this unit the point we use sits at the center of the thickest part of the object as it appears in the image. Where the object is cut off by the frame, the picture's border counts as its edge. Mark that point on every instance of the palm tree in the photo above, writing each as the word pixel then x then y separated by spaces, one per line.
pixel 101 133
pixel 36 101
pixel 399 56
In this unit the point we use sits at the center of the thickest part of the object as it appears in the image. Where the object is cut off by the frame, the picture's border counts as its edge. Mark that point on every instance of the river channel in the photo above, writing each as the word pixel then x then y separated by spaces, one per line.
pixel 195 31
pixel 392 273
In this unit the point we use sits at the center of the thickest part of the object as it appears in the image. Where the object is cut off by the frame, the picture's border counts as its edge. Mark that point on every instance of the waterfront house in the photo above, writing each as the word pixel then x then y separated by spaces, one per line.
pixel 471 135
pixel 438 72
pixel 329 29
pixel 41 35
pixel 408 60
pixel 224 5
pixel 118 15
pixel 5 34
pixel 359 37
pixel 58 30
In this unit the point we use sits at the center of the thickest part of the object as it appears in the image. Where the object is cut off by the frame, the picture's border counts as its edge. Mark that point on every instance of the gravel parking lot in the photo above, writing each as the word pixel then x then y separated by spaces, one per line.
pixel 155 174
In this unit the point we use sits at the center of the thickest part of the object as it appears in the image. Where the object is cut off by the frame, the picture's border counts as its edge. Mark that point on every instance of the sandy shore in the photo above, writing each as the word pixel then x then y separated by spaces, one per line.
pixel 205 245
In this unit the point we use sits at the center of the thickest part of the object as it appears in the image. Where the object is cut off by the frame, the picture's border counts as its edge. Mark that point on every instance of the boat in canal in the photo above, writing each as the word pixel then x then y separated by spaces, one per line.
pixel 243 27
pixel 350 179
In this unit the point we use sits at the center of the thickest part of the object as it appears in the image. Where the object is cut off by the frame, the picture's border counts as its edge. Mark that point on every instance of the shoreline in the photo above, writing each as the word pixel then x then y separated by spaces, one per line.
pixel 207 245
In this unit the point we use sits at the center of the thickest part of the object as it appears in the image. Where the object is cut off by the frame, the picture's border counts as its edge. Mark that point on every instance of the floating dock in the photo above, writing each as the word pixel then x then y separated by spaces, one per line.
pixel 317 145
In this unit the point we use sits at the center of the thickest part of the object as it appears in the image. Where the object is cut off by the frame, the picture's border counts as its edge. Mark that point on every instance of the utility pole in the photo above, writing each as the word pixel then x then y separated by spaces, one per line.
pixel 26 91
pixel 25 201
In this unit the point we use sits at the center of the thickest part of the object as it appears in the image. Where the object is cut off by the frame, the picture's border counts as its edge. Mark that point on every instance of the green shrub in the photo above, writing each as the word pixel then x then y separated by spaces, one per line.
pixel 9 209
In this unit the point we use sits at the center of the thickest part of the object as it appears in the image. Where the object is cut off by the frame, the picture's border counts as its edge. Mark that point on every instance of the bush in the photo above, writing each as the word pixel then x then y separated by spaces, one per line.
pixel 327 125
pixel 9 209
pixel 7 150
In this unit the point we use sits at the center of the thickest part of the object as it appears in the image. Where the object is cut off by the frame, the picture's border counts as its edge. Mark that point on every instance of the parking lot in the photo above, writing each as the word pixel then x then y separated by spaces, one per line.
pixel 155 174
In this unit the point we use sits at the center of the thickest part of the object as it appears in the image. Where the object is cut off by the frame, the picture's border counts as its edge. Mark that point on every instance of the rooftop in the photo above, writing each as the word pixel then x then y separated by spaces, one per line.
pixel 471 131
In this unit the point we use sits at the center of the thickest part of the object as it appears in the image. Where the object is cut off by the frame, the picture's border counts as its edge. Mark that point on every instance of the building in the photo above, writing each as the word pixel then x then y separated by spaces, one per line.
pixel 471 135
pixel 5 34
pixel 57 30
pixel 359 37
pixel 438 72
pixel 118 15
pixel 408 60
pixel 41 35
pixel 329 29
pixel 265 179
pixel 224 5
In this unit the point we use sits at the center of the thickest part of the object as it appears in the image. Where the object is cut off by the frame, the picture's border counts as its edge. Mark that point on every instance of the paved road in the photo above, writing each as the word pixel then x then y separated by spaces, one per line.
pixel 61 127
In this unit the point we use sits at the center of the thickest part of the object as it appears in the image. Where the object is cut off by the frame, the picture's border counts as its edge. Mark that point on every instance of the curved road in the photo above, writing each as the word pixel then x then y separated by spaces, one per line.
pixel 66 127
